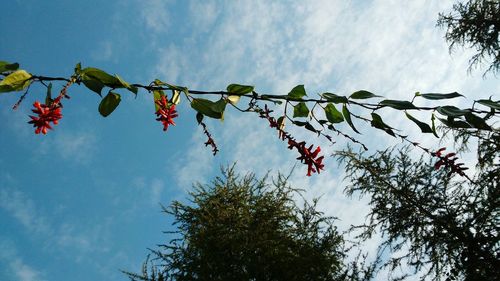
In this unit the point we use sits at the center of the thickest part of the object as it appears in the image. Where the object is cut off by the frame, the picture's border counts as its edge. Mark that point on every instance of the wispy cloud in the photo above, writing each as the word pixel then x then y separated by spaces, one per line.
pixel 76 147
pixel 155 15
pixel 16 265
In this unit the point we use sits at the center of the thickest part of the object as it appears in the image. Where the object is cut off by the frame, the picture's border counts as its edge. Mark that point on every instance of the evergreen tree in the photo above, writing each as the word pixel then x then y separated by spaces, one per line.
pixel 475 24
pixel 241 228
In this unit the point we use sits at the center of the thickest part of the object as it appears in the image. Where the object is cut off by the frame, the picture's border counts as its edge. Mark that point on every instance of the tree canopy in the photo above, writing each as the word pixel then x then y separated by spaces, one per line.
pixel 243 228
pixel 475 24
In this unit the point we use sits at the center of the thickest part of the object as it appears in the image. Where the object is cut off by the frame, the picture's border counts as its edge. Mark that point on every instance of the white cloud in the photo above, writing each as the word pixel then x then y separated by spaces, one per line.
pixel 155 15
pixel 389 47
pixel 77 147
pixel 16 265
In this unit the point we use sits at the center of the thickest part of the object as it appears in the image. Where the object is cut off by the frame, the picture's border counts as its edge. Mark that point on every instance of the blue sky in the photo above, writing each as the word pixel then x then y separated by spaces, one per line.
pixel 84 200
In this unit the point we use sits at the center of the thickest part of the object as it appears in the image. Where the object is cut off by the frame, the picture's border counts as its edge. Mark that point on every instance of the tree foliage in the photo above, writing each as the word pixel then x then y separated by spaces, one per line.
pixel 442 227
pixel 475 24
pixel 241 228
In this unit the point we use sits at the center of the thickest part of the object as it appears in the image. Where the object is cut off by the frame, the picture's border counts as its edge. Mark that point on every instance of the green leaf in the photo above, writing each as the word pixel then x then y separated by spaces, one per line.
pixel 78 68
pixel 452 111
pixel 334 98
pixel 92 73
pixel 157 94
pixel 158 82
pixel 126 85
pixel 176 97
pixel 204 107
pixel 239 89
pixel 433 96
pixel 93 85
pixel 398 104
pixel 477 122
pixel 299 123
pixel 48 96
pixel 490 104
pixel 219 106
pixel 7 66
pixel 433 123
pixel 332 114
pixel 16 81
pixel 450 122
pixel 362 95
pixel 347 116
pixel 300 110
pixel 233 99
pixel 109 103
pixel 423 126
pixel 297 92
pixel 311 128
pixel 379 124
pixel 199 117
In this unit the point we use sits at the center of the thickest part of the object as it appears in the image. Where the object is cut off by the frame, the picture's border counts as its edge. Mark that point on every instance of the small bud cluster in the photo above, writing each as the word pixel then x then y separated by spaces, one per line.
pixel 210 140
pixel 308 155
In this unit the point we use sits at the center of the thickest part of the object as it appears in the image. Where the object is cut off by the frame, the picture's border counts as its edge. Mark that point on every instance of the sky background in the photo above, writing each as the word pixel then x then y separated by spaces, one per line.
pixel 83 201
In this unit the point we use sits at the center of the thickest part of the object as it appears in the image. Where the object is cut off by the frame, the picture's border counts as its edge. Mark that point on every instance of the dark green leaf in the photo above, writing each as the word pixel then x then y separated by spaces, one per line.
pixel 297 92
pixel 311 128
pixel 300 110
pixel 490 104
pixel 199 117
pixel 347 116
pixel 423 126
pixel 332 114
pixel 91 73
pixel 93 85
pixel 239 89
pixel 334 98
pixel 433 122
pixel 299 123
pixel 204 107
pixel 379 124
pixel 432 96
pixel 219 106
pixel 362 94
pixel 452 111
pixel 16 81
pixel 452 123
pixel 7 66
pixel 398 104
pixel 109 103
pixel 477 122
pixel 126 85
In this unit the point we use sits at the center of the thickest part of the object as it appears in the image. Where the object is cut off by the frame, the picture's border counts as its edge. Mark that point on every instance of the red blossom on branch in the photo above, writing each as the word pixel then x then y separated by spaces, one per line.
pixel 165 113
pixel 448 161
pixel 46 114
pixel 307 155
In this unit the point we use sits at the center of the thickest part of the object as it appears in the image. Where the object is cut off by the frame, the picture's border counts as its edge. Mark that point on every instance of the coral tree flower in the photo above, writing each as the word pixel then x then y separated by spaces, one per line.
pixel 166 113
pixel 46 115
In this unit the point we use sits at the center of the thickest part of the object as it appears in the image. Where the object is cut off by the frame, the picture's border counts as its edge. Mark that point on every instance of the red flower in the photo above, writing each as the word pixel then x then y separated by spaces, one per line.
pixel 165 113
pixel 46 114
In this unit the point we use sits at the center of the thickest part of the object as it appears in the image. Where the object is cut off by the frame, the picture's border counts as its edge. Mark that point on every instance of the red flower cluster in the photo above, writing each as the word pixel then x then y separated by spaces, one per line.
pixel 165 113
pixel 448 160
pixel 307 155
pixel 46 114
